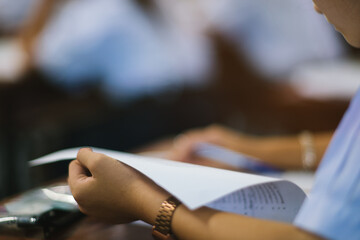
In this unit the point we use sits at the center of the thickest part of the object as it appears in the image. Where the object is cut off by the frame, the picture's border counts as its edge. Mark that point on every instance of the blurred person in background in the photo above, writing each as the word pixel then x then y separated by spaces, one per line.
pixel 275 36
pixel 14 56
pixel 139 48
pixel 235 52
pixel 128 48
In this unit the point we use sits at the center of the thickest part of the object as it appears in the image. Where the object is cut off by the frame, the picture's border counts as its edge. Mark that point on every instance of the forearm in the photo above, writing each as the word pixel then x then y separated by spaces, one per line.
pixel 208 224
pixel 150 197
pixel 285 151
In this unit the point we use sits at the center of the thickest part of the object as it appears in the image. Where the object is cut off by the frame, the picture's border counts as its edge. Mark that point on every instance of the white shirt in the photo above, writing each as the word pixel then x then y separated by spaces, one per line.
pixel 333 207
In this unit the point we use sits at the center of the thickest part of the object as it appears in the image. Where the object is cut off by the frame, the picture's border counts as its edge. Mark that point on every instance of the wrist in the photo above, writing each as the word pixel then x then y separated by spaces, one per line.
pixel 257 147
pixel 149 199
pixel 249 145
pixel 278 151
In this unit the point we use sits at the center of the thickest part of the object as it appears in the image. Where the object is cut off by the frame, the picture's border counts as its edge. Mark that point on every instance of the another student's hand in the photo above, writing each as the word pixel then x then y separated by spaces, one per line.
pixel 185 144
pixel 112 191
pixel 283 152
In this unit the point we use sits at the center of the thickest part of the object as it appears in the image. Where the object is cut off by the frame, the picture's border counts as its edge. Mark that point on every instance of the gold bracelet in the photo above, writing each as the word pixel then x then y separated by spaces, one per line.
pixel 162 228
pixel 308 153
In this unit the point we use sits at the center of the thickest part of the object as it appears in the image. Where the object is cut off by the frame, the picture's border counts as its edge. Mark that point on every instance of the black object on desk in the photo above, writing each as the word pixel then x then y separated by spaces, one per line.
pixel 46 223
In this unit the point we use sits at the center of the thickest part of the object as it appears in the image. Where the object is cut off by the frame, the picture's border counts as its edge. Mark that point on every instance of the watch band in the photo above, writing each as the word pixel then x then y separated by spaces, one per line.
pixel 162 227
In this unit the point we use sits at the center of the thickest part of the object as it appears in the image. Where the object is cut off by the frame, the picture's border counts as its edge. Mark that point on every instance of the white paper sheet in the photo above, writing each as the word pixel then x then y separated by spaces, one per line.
pixel 195 185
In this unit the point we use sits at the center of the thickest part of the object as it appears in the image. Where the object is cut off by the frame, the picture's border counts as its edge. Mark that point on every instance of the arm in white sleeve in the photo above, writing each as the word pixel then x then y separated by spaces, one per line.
pixel 333 207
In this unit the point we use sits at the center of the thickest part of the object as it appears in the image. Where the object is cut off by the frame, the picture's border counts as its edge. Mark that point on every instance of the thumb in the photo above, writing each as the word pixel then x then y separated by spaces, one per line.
pixel 86 156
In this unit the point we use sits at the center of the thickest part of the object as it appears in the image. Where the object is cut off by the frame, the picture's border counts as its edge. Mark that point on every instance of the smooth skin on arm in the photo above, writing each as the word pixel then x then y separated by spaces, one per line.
pixel 206 223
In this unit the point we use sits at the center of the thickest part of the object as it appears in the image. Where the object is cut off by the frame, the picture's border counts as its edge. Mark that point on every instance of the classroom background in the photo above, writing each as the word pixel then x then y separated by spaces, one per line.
pixel 123 74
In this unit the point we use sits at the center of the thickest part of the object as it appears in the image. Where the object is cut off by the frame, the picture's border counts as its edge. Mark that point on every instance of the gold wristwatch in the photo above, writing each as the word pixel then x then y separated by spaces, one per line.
pixel 162 228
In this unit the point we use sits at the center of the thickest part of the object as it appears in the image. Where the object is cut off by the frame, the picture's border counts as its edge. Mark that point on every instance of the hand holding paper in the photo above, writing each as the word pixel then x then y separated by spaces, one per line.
pixel 110 190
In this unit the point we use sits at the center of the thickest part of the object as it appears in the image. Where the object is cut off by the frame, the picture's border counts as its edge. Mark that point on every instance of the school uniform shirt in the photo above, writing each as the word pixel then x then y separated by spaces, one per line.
pixel 332 209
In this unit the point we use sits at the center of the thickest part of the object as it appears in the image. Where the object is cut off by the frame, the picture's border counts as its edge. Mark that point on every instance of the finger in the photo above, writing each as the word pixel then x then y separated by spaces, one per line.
pixel 77 173
pixel 86 157
pixel 185 144
pixel 181 155
pixel 93 161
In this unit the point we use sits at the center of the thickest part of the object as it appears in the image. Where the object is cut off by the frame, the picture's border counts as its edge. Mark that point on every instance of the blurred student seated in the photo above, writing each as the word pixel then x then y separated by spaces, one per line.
pixel 139 48
pixel 127 50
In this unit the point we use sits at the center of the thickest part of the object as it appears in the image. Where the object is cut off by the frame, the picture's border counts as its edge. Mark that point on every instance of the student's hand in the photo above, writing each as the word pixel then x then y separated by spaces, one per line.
pixel 112 191
pixel 185 144
pixel 283 152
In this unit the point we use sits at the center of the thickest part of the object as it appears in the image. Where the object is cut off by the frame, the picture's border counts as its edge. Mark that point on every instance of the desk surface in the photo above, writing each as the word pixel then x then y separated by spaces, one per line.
pixel 85 228
pixel 91 229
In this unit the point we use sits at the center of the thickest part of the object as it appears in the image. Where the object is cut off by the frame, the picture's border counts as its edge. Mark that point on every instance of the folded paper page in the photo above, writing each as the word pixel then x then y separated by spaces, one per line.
pixel 196 186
